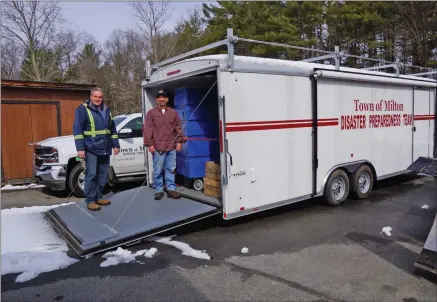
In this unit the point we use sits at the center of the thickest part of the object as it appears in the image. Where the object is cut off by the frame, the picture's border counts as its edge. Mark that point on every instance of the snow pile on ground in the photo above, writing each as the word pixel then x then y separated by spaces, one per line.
pixel 387 230
pixel 425 207
pixel 29 186
pixel 125 256
pixel 186 249
pixel 29 245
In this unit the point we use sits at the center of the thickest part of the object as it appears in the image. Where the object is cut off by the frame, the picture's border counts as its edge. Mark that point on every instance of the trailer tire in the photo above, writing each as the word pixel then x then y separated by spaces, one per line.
pixel 76 179
pixel 362 182
pixel 338 182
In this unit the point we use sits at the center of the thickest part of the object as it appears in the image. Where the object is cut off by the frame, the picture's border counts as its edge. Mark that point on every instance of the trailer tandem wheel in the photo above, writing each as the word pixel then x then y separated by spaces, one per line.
pixel 337 187
pixel 362 181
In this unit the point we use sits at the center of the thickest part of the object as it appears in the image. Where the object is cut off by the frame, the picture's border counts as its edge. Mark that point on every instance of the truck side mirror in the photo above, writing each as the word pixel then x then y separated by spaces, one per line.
pixel 125 133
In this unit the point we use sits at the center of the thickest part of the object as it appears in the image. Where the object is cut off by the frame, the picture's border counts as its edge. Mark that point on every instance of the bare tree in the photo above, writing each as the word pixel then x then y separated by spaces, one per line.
pixel 32 25
pixel 152 16
pixel 124 63
pixel 66 44
pixel 11 57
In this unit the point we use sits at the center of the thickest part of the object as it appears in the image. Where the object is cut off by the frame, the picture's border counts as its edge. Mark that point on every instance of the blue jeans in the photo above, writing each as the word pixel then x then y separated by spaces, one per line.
pixel 96 176
pixel 164 161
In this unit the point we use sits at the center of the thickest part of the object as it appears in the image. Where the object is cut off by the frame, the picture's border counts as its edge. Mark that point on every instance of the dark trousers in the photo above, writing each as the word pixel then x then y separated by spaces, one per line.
pixel 96 176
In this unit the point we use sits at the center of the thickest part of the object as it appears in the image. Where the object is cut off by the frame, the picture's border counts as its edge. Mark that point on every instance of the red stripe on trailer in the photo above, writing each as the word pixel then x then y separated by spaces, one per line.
pixel 221 136
pixel 289 125
pixel 280 122
pixel 423 117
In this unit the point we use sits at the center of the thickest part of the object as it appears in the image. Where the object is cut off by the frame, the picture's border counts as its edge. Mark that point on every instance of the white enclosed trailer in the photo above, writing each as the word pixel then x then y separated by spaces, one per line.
pixel 288 131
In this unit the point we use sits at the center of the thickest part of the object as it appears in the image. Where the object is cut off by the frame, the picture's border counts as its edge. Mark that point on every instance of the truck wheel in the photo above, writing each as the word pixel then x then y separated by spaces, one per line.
pixel 111 178
pixel 198 185
pixel 362 182
pixel 76 180
pixel 337 187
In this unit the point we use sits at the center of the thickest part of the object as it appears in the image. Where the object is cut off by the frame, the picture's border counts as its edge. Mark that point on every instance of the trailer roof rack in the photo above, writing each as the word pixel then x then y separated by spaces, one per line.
pixel 335 56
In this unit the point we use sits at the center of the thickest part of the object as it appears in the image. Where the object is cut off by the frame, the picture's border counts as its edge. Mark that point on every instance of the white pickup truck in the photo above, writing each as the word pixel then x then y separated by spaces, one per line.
pixel 56 165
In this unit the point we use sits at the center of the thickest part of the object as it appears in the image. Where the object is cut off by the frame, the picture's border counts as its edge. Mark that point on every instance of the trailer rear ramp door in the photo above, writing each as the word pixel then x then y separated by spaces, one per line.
pixel 90 232
pixel 424 165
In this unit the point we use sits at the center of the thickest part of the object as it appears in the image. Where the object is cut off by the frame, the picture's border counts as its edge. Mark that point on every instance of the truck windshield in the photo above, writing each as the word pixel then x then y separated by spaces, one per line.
pixel 118 119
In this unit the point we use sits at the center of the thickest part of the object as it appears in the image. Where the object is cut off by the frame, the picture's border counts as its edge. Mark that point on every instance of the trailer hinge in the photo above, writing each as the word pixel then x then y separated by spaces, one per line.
pixel 222 100
pixel 225 180
pixel 316 163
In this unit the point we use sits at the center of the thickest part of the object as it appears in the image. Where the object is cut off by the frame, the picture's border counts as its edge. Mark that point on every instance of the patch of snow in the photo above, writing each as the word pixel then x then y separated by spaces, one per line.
pixel 29 244
pixel 245 250
pixel 387 230
pixel 186 249
pixel 121 255
pixel 29 186
pixel 425 207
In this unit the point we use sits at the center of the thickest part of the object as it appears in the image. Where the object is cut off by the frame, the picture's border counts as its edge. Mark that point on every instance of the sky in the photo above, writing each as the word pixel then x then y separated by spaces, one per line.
pixel 101 18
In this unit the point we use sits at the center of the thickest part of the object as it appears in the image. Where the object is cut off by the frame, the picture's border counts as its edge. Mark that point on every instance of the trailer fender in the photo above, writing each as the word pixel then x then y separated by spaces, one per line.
pixel 349 168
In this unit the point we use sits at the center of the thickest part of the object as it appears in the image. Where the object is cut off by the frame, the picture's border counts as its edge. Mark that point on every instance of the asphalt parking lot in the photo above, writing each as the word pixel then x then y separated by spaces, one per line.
pixel 307 252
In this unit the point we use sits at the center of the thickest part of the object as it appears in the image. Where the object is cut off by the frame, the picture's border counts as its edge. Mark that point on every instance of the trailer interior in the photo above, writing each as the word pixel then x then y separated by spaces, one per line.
pixel 134 214
pixel 203 142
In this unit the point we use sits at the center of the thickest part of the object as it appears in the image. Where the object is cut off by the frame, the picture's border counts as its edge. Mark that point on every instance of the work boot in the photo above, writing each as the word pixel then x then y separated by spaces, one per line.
pixel 173 194
pixel 159 195
pixel 103 202
pixel 92 206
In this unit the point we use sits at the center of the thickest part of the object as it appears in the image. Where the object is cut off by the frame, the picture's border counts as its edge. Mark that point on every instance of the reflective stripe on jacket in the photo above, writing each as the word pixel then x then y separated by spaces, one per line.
pixel 93 129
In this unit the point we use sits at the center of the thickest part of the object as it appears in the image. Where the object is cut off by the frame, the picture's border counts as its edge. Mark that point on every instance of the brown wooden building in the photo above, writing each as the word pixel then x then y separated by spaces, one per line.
pixel 31 112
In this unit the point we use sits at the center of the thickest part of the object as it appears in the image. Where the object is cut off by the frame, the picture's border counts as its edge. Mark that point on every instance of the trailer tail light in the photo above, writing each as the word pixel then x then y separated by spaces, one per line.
pixel 242 209
pixel 170 73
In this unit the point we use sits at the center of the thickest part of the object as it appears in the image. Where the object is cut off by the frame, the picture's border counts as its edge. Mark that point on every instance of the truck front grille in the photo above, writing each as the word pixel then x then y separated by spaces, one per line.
pixel 38 163
pixel 44 154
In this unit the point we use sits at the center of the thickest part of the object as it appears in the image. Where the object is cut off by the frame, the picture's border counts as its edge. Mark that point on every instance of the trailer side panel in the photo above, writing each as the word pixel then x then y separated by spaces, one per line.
pixel 375 125
pixel 268 129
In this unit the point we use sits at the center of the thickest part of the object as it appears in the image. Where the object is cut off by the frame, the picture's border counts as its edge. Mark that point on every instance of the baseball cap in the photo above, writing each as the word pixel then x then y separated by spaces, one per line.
pixel 162 92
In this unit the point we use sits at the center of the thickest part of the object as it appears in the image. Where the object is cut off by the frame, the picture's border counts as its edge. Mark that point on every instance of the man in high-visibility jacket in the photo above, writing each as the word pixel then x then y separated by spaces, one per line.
pixel 95 135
